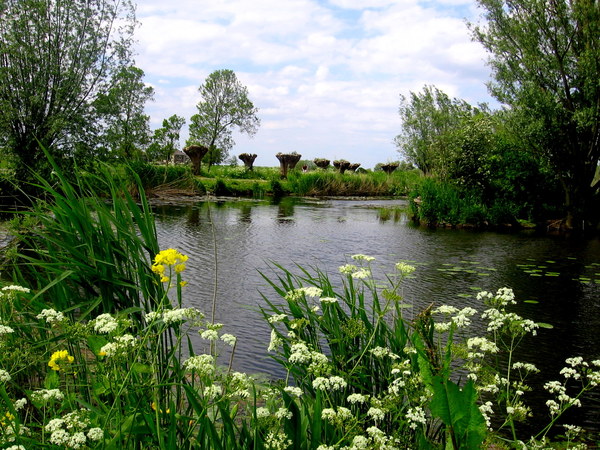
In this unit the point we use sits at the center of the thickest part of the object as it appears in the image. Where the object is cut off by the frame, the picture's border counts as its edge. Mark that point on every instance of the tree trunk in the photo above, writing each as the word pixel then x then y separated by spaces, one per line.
pixel 196 153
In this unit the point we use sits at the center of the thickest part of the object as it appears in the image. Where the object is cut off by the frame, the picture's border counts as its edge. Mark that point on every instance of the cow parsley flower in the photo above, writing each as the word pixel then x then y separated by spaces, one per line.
pixel 51 316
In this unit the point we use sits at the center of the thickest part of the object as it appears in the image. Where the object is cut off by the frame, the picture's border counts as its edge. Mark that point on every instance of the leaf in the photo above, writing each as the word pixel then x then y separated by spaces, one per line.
pixel 51 381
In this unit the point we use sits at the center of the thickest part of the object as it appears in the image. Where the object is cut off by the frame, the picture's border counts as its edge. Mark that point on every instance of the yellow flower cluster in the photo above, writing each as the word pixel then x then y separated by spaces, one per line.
pixel 171 258
pixel 57 357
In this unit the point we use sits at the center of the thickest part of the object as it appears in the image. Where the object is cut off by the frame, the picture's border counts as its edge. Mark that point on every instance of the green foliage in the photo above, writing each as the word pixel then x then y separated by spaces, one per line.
pixel 88 253
pixel 57 57
pixel 165 140
pixel 546 64
pixel 224 105
pixel 428 119
pixel 154 176
pixel 126 129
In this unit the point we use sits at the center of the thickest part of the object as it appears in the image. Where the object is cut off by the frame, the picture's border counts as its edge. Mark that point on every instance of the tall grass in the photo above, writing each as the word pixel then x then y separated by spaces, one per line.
pixel 329 183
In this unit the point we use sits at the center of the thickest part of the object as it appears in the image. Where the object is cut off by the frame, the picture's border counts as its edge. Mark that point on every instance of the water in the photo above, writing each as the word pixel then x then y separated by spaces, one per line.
pixel 555 279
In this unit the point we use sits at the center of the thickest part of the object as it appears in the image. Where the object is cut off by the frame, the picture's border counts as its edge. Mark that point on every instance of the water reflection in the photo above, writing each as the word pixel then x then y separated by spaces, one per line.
pixel 556 280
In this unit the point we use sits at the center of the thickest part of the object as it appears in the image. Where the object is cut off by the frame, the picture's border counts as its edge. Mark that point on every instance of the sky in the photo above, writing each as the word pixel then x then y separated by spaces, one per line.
pixel 325 75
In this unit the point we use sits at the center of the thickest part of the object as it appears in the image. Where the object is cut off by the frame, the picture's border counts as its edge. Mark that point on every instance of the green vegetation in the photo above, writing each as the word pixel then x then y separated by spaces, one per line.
pixel 98 353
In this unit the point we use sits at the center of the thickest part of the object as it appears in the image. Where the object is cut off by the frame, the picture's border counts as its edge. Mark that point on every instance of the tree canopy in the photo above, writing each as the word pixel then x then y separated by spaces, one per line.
pixel 56 57
pixel 224 105
pixel 545 58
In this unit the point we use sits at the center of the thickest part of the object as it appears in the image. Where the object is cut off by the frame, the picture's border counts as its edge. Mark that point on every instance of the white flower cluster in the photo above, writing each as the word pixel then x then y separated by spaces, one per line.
pixel 377 414
pixel 293 390
pixel 484 345
pixel 8 290
pixel 277 441
pixel 381 352
pixel 416 416
pixel 487 411
pixel 348 269
pixel 51 316
pixel 71 431
pixel 105 324
pixel 361 257
pixel 119 346
pixel 297 294
pixel 202 364
pixel 46 395
pixel 460 319
pixel 275 341
pixel 336 417
pixel 504 297
pixel 213 391
pixel 357 398
pixel 329 300
pixel 4 376
pixel 404 269
pixel 4 329
pixel 173 316
pixel 277 318
pixel 333 383
pixel 527 367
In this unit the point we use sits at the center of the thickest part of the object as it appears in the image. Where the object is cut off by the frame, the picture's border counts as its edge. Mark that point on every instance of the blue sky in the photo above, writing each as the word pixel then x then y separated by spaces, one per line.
pixel 326 75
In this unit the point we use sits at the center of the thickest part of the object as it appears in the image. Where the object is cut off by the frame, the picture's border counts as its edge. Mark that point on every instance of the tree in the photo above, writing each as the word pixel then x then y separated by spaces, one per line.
pixel 427 118
pixel 545 60
pixel 55 58
pixel 166 139
pixel 126 129
pixel 224 105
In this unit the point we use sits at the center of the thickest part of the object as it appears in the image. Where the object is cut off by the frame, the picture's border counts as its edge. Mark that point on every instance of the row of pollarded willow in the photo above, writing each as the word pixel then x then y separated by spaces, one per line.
pixel 287 161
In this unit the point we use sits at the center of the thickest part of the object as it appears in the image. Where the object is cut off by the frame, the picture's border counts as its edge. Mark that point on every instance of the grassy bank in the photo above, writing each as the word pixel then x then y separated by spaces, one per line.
pixel 237 181
pixel 97 350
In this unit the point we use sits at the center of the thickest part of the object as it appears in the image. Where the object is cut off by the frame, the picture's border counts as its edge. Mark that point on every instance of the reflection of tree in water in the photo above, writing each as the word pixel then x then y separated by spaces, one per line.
pixel 246 213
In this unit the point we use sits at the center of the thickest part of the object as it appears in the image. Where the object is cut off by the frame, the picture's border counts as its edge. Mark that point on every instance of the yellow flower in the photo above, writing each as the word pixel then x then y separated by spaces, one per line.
pixel 153 405
pixel 58 356
pixel 179 268
pixel 183 283
pixel 164 279
pixel 158 268
pixel 170 257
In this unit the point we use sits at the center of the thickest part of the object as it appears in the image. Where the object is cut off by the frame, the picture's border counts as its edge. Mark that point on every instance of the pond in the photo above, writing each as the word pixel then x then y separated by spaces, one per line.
pixel 556 279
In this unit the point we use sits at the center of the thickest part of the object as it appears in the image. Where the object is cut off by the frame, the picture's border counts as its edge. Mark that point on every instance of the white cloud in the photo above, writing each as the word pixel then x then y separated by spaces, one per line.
pixel 325 75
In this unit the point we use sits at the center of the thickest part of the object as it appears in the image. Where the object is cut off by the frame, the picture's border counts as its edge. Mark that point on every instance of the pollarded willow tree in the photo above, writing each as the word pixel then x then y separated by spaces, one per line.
pixel 545 57
pixel 224 106
pixel 56 56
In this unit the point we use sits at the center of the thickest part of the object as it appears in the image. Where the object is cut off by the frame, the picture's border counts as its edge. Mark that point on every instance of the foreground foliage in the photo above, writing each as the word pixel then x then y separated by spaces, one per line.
pixel 145 371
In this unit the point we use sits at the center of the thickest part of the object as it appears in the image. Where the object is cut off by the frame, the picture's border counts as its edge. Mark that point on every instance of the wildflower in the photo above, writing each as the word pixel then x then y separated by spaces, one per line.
pixel 300 354
pixel 203 364
pixel 20 404
pixel 95 434
pixel 487 411
pixel 361 257
pixel 262 412
pixel 283 413
pixel 45 395
pixel 213 391
pixel 483 344
pixel 5 329
pixel 328 300
pixel 120 345
pixel 229 339
pixel 171 316
pixel 527 367
pixel 334 383
pixel 405 269
pixel 15 288
pixel 210 335
pixel 357 398
pixel 51 316
pixel 348 269
pixel 293 390
pixel 170 257
pixel 278 317
pixel 361 274
pixel 376 413
pixel 61 356
pixel 277 441
pixel 4 376
pixel 105 323
pixel 415 417
pixel 275 341
pixel 445 309
pixel 179 268
pixel 360 442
